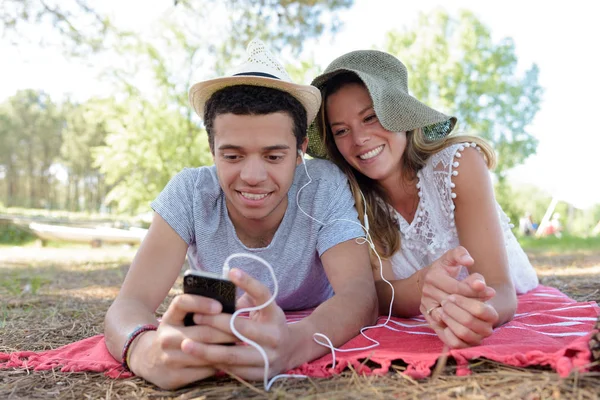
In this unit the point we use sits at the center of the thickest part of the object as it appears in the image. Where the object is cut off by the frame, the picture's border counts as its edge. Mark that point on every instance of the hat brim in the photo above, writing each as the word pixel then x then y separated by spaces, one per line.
pixel 309 96
pixel 419 114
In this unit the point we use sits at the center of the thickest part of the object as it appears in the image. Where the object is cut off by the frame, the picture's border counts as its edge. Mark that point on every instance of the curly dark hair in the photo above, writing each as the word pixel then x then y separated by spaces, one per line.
pixel 254 100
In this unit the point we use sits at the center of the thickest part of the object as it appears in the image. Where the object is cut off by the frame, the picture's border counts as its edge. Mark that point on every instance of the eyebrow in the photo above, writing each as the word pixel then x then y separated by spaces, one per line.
pixel 267 148
pixel 360 112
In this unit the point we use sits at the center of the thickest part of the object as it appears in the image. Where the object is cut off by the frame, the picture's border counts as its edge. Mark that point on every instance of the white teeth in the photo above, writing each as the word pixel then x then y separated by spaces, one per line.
pixel 371 153
pixel 254 196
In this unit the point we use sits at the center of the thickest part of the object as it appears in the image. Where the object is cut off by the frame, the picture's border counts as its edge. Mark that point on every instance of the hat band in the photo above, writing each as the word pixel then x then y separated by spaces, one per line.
pixel 264 75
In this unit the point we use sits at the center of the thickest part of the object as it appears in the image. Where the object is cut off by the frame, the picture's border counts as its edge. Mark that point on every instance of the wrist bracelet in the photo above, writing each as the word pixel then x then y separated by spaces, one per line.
pixel 132 336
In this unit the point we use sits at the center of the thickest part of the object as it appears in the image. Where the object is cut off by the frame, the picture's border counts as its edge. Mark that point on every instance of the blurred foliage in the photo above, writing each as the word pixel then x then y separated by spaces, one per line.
pixel 14 235
pixel 72 24
pixel 564 244
pixel 30 137
pixel 520 199
pixel 455 66
pixel 146 146
pixel 75 217
pixel 283 24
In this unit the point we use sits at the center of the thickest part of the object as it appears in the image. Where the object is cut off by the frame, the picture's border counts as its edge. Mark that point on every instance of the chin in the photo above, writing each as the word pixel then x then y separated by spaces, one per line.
pixel 375 175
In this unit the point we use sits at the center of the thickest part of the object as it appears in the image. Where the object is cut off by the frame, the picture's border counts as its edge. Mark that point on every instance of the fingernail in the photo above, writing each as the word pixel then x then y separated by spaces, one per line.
pixel 236 273
pixel 215 307
pixel 465 258
pixel 188 346
pixel 451 298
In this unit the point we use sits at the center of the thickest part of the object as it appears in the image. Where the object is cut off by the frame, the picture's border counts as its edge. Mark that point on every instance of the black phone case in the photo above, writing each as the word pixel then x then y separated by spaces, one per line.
pixel 219 289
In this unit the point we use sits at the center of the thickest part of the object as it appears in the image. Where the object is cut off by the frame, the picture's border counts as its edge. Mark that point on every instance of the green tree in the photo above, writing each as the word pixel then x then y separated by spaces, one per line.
pixel 8 161
pixel 147 144
pixel 33 140
pixel 455 66
pixel 85 129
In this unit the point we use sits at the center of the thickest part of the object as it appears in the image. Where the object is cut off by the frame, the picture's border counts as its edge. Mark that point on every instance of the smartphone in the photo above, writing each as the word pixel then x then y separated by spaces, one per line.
pixel 209 285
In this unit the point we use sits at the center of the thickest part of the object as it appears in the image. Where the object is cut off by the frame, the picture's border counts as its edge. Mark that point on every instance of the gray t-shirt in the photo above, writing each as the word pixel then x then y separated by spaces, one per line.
pixel 193 204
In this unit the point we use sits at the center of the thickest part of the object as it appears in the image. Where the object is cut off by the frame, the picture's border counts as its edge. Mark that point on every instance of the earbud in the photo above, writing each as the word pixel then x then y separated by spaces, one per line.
pixel 366 218
pixel 300 153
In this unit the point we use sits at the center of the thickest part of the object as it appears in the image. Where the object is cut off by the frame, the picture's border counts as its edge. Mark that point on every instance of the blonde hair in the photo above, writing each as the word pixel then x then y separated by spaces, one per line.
pixel 383 225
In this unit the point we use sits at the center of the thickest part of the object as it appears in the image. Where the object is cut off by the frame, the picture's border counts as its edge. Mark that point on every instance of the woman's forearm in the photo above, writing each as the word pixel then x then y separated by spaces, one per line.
pixel 505 303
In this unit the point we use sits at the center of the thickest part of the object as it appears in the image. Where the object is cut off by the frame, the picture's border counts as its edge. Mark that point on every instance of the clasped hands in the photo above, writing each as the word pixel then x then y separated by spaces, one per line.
pixel 458 311
pixel 176 355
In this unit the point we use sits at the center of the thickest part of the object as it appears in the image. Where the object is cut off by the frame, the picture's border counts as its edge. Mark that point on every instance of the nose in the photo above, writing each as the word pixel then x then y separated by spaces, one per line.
pixel 360 136
pixel 253 171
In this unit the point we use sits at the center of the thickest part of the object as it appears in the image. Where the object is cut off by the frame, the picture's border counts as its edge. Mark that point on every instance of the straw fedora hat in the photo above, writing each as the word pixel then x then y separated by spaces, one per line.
pixel 386 79
pixel 260 69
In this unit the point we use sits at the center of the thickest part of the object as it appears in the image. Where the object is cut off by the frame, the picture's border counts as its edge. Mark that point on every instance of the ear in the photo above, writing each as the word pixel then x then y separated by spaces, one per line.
pixel 302 148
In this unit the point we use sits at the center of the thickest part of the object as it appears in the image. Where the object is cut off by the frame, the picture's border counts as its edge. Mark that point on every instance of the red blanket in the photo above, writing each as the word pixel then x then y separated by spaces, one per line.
pixel 549 329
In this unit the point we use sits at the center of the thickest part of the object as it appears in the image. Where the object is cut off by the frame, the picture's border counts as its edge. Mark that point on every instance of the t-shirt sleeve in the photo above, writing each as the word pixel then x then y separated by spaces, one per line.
pixel 175 203
pixel 339 214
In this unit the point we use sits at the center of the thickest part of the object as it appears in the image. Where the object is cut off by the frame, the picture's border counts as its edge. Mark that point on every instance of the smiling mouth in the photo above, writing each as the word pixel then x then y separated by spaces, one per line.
pixel 254 196
pixel 370 154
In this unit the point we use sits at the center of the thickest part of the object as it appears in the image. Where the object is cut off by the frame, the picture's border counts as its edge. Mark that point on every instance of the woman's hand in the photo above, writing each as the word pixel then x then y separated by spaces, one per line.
pixel 457 310
pixel 468 320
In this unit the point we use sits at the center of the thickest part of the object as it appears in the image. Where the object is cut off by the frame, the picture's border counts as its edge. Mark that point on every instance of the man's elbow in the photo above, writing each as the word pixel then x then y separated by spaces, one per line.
pixel 373 306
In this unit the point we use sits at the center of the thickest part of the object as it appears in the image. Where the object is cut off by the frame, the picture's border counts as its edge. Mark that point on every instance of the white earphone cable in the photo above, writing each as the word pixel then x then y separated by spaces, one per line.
pixel 268 383
pixel 367 239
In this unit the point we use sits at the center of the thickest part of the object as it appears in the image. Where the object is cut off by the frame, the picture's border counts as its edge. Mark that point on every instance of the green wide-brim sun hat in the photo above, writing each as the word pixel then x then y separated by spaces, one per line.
pixel 386 79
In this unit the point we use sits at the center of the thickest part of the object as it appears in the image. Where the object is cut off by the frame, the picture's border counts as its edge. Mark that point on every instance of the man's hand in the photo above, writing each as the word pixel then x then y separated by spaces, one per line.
pixel 266 327
pixel 158 356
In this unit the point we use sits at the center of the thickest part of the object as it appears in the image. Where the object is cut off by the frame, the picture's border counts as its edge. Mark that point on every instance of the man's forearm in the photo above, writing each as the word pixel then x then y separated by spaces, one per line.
pixel 340 319
pixel 407 295
pixel 122 318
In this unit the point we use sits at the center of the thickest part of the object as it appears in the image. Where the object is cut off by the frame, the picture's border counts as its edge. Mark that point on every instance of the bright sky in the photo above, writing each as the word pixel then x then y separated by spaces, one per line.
pixel 561 37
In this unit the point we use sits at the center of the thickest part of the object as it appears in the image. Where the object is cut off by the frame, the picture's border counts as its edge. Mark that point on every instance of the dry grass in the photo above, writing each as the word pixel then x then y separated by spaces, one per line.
pixel 51 297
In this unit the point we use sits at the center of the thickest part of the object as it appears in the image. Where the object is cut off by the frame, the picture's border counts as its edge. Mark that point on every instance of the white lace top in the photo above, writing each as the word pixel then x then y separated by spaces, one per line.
pixel 433 231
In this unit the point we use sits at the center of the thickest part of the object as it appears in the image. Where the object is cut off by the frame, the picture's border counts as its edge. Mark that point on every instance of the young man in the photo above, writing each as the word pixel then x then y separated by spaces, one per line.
pixel 246 203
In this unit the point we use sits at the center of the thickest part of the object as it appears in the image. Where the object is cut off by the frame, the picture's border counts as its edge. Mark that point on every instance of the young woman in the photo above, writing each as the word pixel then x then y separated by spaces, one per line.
pixel 426 192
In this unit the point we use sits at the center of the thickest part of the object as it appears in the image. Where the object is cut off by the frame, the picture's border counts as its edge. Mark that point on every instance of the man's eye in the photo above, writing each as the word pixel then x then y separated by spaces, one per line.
pixel 273 157
pixel 230 157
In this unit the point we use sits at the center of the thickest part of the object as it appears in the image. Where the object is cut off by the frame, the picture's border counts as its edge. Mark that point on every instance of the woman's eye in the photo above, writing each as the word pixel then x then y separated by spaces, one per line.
pixel 340 132
pixel 370 118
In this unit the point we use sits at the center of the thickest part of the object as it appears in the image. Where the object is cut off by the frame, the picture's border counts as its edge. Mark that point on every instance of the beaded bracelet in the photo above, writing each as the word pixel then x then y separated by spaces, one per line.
pixel 132 336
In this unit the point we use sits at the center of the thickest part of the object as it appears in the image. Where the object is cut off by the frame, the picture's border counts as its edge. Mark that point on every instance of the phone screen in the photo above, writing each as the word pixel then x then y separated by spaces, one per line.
pixel 212 286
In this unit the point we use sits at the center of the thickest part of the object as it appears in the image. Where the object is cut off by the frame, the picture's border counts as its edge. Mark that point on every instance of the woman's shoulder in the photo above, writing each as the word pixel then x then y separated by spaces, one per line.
pixel 447 157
